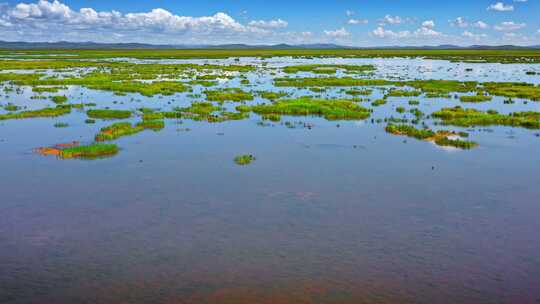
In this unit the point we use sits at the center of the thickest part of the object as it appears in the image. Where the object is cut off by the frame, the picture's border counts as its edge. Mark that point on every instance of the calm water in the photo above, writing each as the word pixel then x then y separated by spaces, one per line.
pixel 331 214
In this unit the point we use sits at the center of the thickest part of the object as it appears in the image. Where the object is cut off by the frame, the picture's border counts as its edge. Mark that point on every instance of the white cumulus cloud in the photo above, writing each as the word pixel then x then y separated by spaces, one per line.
pixel 357 21
pixel 270 24
pixel 509 26
pixel 380 32
pixel 500 7
pixel 339 33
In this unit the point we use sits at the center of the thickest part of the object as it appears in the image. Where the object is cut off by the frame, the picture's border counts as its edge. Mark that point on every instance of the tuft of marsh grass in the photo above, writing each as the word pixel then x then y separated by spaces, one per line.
pixel 108 114
pixel 243 160
pixel 95 150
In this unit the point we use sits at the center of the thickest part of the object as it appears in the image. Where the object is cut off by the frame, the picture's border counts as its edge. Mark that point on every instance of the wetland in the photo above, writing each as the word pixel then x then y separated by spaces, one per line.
pixel 270 176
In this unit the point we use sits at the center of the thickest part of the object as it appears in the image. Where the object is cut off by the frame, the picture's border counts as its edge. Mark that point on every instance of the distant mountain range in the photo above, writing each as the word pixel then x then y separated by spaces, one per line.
pixel 19 45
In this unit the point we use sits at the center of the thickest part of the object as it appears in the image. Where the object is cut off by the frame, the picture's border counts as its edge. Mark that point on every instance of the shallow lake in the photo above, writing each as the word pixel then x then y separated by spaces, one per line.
pixel 337 212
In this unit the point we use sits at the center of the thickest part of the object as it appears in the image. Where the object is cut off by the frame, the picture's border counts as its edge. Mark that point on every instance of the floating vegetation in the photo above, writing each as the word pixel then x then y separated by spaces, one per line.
pixel 46 112
pixel 11 107
pixel 116 131
pixel 121 129
pixel 410 131
pixel 46 89
pixel 108 114
pixel 328 82
pixel 459 116
pixel 96 150
pixel 441 138
pixel 403 93
pixel 335 109
pixel 273 95
pixel 148 89
pixel 327 68
pixel 513 90
pixel 475 98
pixel 228 94
pixel 329 94
pixel 59 99
pixel 364 92
pixel 379 102
pixel 456 143
pixel 75 150
pixel 243 160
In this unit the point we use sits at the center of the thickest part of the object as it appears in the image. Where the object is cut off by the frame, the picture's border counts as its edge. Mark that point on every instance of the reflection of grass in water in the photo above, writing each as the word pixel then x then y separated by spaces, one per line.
pixel 61 125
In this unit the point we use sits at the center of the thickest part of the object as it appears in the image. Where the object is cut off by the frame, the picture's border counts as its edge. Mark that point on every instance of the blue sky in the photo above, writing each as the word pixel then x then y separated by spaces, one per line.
pixel 347 22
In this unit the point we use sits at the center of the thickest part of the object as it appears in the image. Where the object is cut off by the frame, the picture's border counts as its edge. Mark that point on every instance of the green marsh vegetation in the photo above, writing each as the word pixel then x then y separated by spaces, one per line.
pixel 157 81
pixel 11 107
pixel 356 92
pixel 459 116
pixel 243 160
pixel 95 150
pixel 455 142
pixel 46 112
pixel 440 138
pixel 59 99
pixel 327 68
pixel 121 129
pixel 331 109
pixel 46 89
pixel 228 94
pixel 379 102
pixel 475 98
pixel 402 93
pixel 272 95
pixel 328 82
pixel 108 114
pixel 476 56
